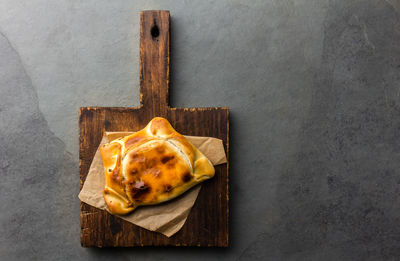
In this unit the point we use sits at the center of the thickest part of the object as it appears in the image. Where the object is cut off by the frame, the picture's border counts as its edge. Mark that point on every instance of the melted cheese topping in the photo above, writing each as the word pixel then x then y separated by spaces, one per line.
pixel 151 166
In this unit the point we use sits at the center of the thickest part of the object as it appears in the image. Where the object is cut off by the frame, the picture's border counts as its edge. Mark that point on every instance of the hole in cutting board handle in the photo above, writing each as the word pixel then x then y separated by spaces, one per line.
pixel 155 32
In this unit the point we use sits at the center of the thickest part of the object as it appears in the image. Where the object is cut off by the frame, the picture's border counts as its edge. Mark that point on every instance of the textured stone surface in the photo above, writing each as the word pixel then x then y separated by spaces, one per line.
pixel 314 92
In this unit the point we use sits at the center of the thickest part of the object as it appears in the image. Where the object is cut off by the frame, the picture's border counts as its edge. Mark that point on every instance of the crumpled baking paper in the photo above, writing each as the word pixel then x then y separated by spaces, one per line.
pixel 166 218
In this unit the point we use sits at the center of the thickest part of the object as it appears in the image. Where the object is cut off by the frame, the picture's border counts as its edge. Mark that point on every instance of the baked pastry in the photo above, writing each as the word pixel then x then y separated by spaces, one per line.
pixel 151 166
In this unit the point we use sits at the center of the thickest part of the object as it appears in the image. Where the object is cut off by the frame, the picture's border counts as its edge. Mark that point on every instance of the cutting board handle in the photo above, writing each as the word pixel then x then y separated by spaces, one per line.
pixel 154 60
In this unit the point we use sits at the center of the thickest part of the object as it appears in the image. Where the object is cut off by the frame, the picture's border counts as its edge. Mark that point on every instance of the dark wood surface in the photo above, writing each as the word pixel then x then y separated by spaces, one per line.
pixel 207 224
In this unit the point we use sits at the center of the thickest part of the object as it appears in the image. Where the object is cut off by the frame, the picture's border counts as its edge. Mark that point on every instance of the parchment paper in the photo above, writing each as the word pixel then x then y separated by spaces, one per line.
pixel 166 218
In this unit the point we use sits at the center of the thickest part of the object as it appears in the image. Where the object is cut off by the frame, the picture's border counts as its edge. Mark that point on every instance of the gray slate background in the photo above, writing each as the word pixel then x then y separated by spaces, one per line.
pixel 314 92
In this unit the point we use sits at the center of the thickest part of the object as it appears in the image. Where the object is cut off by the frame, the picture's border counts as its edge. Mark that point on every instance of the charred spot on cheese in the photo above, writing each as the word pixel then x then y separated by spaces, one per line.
pixel 139 190
pixel 165 159
pixel 133 140
pixel 167 188
pixel 133 171
pixel 187 177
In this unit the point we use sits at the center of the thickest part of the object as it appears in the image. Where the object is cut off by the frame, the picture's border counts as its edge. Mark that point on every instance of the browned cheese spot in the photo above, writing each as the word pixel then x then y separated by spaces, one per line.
pixel 171 165
pixel 167 188
pixel 139 190
pixel 187 177
pixel 160 149
pixel 151 163
pixel 136 158
pixel 165 159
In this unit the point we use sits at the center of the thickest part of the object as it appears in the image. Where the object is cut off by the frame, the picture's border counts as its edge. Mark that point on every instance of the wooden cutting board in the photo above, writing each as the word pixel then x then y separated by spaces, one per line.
pixel 207 224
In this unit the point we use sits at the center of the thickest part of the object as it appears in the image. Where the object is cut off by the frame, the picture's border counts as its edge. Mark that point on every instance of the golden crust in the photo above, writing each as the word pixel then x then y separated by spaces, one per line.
pixel 151 166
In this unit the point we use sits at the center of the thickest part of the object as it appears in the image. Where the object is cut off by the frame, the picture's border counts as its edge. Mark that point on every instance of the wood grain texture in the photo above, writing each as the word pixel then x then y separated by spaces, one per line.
pixel 207 224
